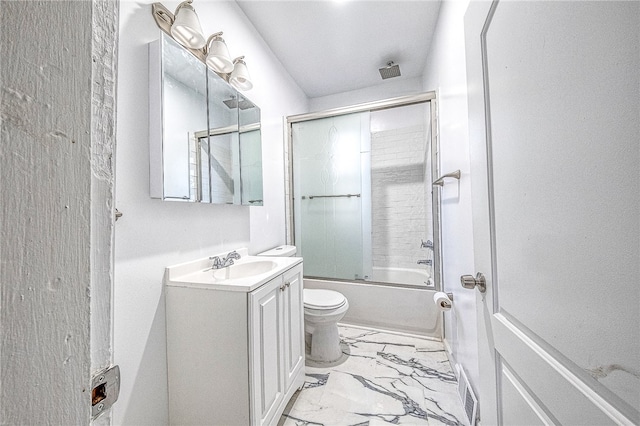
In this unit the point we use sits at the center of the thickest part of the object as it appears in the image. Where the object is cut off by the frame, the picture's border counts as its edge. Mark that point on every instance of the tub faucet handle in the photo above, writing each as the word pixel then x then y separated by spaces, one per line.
pixel 426 244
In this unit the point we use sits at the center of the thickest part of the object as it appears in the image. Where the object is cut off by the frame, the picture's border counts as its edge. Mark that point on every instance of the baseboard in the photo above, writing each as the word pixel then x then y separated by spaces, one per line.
pixel 449 352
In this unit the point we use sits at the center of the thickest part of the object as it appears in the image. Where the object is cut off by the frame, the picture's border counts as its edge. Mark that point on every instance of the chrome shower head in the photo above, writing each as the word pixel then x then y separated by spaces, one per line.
pixel 390 71
pixel 235 103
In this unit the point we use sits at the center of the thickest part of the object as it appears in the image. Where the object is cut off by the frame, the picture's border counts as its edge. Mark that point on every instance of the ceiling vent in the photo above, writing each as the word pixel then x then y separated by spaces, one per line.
pixel 390 71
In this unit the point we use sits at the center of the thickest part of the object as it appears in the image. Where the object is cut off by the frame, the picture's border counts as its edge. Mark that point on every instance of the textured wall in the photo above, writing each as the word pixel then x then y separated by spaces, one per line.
pixel 57 135
pixel 103 139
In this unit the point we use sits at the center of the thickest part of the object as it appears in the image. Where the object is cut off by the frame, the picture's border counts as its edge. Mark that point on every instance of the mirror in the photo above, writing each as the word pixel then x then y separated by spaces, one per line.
pixel 250 152
pixel 178 108
pixel 219 147
pixel 205 140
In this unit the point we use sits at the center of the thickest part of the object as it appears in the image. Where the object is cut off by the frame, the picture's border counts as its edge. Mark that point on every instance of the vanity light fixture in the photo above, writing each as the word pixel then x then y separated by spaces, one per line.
pixel 218 54
pixel 186 28
pixel 239 77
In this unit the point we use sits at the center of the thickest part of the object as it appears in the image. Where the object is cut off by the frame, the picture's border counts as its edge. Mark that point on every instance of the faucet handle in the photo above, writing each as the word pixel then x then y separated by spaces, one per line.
pixel 232 255
pixel 427 244
pixel 217 263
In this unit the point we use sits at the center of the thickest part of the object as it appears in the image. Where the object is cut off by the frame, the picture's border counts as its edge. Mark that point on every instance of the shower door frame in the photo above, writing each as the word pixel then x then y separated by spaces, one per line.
pixel 426 97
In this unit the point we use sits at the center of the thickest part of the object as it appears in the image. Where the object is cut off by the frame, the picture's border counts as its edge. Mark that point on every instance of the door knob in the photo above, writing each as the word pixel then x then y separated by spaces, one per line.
pixel 468 281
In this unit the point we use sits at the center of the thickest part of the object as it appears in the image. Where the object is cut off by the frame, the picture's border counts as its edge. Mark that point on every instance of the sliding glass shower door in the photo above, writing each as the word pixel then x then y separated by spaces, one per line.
pixel 332 195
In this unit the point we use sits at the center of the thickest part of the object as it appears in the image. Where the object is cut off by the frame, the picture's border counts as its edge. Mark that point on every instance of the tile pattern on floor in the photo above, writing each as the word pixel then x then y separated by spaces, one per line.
pixel 386 379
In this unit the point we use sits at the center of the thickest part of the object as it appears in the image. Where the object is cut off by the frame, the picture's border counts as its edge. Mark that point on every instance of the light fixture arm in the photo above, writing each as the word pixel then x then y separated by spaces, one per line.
pixel 163 16
pixel 212 37
pixel 184 3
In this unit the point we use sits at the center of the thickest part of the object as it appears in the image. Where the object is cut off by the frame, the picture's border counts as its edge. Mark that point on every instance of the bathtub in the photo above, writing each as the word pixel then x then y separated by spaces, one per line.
pixel 401 309
pixel 400 276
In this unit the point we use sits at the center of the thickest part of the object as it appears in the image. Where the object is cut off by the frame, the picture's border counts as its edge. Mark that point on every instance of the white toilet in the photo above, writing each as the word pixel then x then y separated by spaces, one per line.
pixel 322 311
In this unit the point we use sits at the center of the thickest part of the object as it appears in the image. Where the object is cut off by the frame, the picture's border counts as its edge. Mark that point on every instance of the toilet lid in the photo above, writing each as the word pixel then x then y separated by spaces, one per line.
pixel 322 299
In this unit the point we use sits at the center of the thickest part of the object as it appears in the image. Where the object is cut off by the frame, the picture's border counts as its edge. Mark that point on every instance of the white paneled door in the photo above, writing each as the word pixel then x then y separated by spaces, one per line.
pixel 554 119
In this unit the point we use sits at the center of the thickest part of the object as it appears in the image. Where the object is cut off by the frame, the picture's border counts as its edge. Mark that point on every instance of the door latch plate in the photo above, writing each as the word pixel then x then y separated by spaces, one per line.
pixel 105 388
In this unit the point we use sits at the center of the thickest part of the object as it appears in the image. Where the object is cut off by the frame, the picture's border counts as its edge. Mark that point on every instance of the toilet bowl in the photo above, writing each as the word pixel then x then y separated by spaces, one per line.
pixel 322 311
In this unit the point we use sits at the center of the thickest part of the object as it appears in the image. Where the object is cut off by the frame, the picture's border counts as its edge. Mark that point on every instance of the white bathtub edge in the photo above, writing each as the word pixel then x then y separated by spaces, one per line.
pixel 398 309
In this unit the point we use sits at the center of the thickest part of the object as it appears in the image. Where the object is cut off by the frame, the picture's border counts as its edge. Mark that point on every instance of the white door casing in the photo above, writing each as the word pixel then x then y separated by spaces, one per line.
pixel 554 130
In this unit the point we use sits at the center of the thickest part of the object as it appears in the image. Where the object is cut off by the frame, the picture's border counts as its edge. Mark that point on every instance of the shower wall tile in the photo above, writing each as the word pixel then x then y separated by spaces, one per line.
pixel 401 208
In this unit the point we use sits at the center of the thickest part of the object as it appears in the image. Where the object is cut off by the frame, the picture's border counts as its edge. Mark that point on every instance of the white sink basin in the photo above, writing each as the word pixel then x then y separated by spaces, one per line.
pixel 247 274
pixel 244 270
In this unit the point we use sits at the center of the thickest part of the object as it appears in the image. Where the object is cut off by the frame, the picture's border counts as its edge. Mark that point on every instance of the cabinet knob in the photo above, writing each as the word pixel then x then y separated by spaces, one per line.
pixel 282 287
pixel 288 283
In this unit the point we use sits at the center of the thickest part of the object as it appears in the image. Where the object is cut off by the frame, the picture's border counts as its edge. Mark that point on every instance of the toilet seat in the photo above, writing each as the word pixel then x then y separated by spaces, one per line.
pixel 319 299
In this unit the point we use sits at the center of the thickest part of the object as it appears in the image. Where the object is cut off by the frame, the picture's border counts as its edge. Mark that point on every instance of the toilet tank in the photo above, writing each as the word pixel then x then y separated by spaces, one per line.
pixel 280 251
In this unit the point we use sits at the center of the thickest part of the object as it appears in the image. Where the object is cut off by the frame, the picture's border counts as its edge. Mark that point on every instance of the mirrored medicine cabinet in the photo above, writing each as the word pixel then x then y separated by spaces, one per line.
pixel 205 141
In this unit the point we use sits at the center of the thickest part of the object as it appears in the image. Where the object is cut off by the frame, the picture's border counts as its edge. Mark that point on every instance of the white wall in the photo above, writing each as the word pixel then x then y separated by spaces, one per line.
pixel 445 73
pixel 153 234
pixel 390 88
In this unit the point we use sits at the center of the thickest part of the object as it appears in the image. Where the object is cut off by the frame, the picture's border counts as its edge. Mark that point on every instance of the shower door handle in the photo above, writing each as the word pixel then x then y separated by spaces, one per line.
pixel 471 282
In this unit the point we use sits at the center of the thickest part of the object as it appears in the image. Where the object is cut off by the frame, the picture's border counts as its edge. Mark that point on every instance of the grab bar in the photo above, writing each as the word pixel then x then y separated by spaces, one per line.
pixel 329 196
pixel 440 180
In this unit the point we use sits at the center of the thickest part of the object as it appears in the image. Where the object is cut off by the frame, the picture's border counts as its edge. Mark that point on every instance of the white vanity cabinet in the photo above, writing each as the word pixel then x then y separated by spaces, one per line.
pixel 276 345
pixel 235 354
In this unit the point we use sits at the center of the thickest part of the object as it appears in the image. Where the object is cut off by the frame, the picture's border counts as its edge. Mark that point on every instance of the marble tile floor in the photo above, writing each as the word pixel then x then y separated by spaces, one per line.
pixel 383 378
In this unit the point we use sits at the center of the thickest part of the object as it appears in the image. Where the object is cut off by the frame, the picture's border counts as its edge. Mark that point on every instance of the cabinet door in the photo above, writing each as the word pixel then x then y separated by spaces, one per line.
pixel 293 324
pixel 266 350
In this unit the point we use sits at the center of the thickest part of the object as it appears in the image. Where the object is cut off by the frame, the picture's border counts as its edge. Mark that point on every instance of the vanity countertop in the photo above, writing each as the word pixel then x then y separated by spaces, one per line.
pixel 198 273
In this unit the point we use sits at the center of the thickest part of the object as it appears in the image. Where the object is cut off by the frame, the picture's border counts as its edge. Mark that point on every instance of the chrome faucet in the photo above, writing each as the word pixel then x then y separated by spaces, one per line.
pixel 227 261
pixel 427 262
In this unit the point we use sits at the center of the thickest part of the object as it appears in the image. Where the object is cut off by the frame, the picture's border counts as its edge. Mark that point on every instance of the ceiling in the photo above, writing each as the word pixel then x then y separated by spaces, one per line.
pixel 331 46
